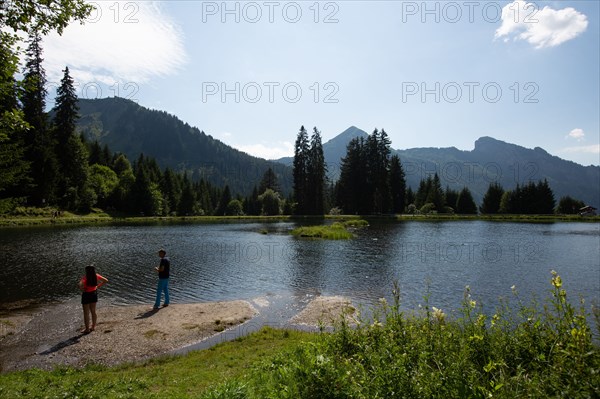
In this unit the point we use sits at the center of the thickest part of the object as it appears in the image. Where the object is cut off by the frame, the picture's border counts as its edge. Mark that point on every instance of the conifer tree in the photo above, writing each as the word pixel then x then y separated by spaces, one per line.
pixel 39 143
pixel 72 167
pixel 397 185
pixel 269 180
pixel 315 176
pixel 465 204
pixel 491 200
pixel 451 197
pixel 300 173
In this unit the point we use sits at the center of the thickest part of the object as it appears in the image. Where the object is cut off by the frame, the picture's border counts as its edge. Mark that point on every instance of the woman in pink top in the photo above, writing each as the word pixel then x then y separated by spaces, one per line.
pixel 89 296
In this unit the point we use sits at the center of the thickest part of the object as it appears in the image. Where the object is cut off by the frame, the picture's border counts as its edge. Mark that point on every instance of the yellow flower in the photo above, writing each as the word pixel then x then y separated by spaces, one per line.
pixel 556 281
pixel 472 303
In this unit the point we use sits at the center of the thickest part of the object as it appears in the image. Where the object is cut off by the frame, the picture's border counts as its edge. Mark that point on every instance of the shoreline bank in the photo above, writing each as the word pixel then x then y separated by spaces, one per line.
pixel 105 219
pixel 47 337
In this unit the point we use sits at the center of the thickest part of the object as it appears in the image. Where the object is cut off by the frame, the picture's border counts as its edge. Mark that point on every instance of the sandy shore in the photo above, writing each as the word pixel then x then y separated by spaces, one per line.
pixel 49 336
pixel 123 334
pixel 326 311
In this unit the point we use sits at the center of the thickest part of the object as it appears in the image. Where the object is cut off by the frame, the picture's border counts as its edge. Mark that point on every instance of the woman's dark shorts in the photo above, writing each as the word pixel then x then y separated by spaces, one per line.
pixel 89 297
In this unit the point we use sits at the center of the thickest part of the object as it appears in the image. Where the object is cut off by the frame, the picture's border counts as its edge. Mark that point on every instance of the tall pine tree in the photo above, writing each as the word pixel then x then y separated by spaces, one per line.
pixel 300 173
pixel 491 200
pixel 397 185
pixel 40 144
pixel 72 167
pixel 315 176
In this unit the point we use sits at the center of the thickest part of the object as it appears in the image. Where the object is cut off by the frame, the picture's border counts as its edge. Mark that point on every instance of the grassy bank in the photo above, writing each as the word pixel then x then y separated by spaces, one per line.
pixel 530 352
pixel 169 377
pixel 520 351
pixel 47 217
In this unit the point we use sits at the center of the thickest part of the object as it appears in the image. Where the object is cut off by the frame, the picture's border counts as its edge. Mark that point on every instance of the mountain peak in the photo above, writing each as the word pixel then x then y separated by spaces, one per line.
pixel 347 135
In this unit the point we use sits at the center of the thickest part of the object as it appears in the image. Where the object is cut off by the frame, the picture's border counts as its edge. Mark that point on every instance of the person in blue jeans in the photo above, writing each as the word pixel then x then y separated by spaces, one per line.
pixel 163 270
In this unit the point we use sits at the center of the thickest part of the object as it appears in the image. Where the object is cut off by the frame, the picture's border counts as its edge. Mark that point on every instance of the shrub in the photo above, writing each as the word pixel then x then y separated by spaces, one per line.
pixel 519 351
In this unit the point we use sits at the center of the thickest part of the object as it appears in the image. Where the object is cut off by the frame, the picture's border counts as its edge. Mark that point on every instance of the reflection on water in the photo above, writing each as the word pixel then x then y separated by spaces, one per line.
pixel 232 261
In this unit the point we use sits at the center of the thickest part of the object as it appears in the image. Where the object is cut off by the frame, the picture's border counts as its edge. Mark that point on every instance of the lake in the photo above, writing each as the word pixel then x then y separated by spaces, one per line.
pixel 214 262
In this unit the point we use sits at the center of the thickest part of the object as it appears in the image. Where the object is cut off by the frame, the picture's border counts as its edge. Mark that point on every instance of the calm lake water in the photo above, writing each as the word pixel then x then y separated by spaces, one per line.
pixel 213 262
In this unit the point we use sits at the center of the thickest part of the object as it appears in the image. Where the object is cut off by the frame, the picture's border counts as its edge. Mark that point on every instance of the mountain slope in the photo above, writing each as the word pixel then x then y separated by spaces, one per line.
pixel 508 164
pixel 132 129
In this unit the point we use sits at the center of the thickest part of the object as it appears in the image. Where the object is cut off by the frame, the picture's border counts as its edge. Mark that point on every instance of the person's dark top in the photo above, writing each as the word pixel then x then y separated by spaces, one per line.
pixel 165 263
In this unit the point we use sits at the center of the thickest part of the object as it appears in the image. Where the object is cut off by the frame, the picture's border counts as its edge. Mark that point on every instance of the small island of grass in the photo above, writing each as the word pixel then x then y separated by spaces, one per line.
pixel 334 231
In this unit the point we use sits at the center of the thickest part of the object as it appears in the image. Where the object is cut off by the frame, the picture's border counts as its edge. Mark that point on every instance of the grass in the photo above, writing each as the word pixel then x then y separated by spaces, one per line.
pixel 29 216
pixel 168 377
pixel 520 351
pixel 536 351
pixel 335 231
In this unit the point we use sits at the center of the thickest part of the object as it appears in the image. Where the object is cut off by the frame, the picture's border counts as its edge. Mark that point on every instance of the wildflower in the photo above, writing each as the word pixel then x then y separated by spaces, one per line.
pixel 438 314
pixel 382 301
pixel 513 288
pixel 377 323
pixel 495 318
pixel 556 280
pixel 472 303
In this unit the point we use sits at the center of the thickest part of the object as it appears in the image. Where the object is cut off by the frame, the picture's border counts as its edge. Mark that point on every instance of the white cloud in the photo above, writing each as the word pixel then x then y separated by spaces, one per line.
pixel 544 27
pixel 121 42
pixel 582 149
pixel 577 134
pixel 275 151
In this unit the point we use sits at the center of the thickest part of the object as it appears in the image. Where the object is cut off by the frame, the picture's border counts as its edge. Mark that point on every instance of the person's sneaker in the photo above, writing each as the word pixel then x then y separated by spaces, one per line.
pixel 155 308
pixel 165 305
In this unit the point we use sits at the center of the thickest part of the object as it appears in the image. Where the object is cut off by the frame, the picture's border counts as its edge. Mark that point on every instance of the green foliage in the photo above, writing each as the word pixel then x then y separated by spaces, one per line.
pixel 43 16
pixel 103 180
pixel 355 223
pixel 518 351
pixel 430 192
pixel 269 180
pixel 131 129
pixel 428 208
pixel 188 376
pixel 569 206
pixel 529 199
pixel 335 231
pixel 465 205
pixel 270 203
pixel 492 199
pixel 397 185
pixel 309 174
pixel 367 184
pixel 234 208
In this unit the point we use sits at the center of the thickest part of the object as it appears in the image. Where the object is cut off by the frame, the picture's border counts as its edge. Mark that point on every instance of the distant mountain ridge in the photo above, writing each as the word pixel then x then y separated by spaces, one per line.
pixel 490 161
pixel 132 129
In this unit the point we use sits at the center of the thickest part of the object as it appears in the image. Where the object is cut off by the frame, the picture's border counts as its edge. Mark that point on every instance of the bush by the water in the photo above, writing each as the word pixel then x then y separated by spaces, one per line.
pixel 519 351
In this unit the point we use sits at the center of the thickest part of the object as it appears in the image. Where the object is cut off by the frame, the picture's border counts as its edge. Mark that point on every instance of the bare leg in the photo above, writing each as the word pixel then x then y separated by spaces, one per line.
pixel 86 317
pixel 94 317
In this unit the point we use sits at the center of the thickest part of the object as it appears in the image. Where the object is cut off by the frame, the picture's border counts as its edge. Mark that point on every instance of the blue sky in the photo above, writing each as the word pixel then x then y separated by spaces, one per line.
pixel 433 74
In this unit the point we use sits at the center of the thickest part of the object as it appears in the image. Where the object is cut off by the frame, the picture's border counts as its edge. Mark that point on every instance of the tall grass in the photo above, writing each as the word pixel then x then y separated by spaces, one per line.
pixel 335 231
pixel 519 351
